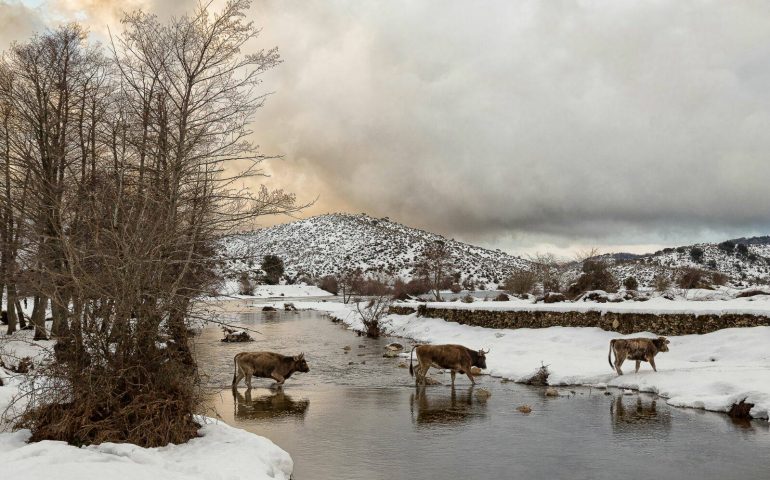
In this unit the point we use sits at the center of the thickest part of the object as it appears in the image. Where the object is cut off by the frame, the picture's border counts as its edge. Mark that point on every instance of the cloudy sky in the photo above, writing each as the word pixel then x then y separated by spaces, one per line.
pixel 521 125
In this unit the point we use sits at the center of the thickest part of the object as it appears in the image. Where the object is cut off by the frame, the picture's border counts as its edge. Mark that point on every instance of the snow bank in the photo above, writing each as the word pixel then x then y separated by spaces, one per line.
pixel 758 305
pixel 221 452
pixel 711 371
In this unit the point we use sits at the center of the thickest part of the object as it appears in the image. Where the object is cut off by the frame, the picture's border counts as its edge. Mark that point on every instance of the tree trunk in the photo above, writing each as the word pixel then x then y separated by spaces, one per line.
pixel 38 317
pixel 11 308
pixel 20 314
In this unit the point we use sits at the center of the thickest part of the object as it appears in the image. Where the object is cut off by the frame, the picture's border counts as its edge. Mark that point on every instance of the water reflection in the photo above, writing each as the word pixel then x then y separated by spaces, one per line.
pixel 637 413
pixel 433 406
pixel 267 406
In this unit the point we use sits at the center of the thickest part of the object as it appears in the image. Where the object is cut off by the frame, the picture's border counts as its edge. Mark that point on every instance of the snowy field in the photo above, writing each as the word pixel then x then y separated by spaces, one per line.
pixel 230 289
pixel 711 371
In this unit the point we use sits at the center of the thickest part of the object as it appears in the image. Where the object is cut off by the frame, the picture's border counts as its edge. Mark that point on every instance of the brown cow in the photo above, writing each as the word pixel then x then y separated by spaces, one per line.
pixel 638 349
pixel 452 357
pixel 267 365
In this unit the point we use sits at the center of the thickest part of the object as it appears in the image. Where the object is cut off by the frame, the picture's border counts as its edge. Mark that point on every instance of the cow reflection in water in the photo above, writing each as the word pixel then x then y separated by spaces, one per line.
pixel 435 406
pixel 628 413
pixel 251 406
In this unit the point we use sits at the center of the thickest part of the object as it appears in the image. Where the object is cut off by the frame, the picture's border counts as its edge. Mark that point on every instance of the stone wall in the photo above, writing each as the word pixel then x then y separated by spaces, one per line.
pixel 625 323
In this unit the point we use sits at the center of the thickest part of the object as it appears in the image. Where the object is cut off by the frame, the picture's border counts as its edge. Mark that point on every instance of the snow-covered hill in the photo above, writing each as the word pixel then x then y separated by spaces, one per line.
pixel 327 244
pixel 745 261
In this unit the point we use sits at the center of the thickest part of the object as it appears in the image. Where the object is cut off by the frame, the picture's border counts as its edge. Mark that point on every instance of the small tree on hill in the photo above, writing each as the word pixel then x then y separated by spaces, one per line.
pixel 521 282
pixel 631 283
pixel 434 265
pixel 272 265
pixel 696 253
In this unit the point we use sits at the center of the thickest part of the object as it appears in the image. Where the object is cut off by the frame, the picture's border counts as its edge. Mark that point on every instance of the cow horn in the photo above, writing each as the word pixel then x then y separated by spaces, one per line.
pixel 486 351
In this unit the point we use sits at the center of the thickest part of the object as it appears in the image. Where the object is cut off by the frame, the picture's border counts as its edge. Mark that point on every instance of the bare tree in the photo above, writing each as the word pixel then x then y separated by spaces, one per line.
pixel 128 160
pixel 547 270
pixel 435 265
pixel 373 312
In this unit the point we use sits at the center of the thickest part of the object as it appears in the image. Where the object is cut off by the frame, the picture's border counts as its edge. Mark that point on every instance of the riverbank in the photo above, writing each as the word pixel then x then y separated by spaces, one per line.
pixel 220 451
pixel 713 371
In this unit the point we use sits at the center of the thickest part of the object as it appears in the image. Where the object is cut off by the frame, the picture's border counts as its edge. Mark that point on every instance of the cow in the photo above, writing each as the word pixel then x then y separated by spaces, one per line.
pixel 267 365
pixel 452 357
pixel 638 349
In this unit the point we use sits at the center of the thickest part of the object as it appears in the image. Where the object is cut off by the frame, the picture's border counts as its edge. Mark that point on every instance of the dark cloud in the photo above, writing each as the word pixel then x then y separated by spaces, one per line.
pixel 521 124
pixel 595 122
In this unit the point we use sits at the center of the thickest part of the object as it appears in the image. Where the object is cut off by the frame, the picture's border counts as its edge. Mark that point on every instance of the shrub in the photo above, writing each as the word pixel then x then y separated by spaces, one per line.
pixel 696 253
pixel 272 265
pixel 596 276
pixel 245 285
pixel 520 282
pixel 719 278
pixel 692 278
pixel 631 283
pixel 330 284
pixel 742 250
pixel 727 247
pixel 467 299
pixel 455 288
pixel 502 297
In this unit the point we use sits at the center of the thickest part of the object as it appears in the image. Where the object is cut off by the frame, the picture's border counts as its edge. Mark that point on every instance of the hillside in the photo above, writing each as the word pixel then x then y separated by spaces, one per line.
pixel 746 261
pixel 326 244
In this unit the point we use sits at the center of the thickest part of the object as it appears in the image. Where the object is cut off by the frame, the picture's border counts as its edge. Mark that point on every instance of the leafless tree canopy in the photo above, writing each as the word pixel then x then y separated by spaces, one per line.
pixel 117 164
pixel 435 265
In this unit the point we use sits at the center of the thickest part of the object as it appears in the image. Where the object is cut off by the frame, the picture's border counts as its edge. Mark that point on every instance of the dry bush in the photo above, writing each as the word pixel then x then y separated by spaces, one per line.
pixel 719 278
pixel 693 278
pixel 596 276
pixel 661 282
pixel 631 283
pixel 371 314
pixel 330 284
pixel 521 282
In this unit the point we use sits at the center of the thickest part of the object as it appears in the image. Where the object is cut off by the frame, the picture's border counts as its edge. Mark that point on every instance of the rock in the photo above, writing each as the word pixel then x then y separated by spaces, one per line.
pixel 351 363
pixel 236 337
pixel 431 381
pixel 362 346
pixel 502 297
pixel 483 394
pixel 361 355
pixel 608 393
pixel 268 308
pixel 552 297
pixel 524 408
pixel 289 307
pixel 396 347
pixel 390 354
pixel 363 362
pixel 403 365
pixel 346 348
pixel 628 392
pixel 741 410
pixel 551 392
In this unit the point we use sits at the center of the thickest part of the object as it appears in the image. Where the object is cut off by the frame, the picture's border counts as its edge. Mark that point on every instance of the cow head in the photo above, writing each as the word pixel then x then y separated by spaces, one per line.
pixel 481 360
pixel 661 343
pixel 300 364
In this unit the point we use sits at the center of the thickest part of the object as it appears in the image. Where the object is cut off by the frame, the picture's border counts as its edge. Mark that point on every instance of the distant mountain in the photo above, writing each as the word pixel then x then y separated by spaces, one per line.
pixel 326 244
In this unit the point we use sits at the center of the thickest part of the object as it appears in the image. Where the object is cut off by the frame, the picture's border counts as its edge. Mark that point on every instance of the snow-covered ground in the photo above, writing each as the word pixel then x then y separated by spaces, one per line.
pixel 711 371
pixel 220 452
pixel 231 289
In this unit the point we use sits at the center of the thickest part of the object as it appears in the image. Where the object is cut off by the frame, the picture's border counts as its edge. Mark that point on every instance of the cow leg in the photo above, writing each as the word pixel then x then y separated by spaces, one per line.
pixel 652 362
pixel 470 376
pixel 278 378
pixel 638 362
pixel 424 367
pixel 619 359
pixel 238 378
pixel 248 381
pixel 453 377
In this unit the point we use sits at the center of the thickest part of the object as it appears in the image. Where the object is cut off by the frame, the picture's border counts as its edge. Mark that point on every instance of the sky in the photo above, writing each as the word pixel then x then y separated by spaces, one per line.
pixel 528 126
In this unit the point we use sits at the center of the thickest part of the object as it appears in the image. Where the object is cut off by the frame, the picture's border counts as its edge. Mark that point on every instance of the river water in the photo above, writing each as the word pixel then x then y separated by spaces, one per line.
pixel 366 420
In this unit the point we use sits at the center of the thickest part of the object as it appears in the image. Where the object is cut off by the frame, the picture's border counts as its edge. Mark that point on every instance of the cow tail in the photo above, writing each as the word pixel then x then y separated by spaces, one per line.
pixel 235 370
pixel 411 369
pixel 609 355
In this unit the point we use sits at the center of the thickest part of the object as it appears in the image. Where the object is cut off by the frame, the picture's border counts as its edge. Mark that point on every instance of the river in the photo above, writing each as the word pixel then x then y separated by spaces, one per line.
pixel 357 415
